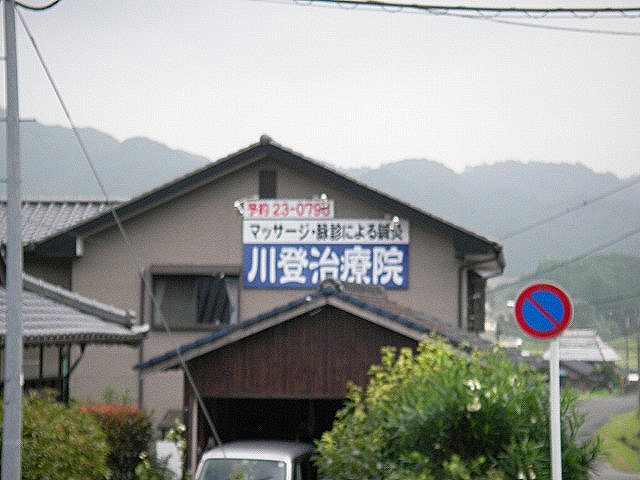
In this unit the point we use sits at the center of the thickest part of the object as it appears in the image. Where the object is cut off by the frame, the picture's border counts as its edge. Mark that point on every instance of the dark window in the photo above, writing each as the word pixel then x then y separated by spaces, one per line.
pixel 195 301
pixel 267 184
pixel 475 302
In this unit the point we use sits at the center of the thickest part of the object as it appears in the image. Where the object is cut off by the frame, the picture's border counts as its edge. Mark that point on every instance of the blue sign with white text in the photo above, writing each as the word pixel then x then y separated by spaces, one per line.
pixel 307 265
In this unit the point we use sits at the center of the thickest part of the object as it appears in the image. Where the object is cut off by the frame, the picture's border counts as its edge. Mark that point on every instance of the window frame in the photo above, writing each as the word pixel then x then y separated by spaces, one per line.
pixel 185 271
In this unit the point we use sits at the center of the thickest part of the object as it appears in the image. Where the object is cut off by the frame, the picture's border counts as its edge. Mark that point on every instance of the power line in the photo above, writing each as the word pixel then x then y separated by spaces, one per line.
pixel 477 9
pixel 621 33
pixel 491 14
pixel 34 8
pixel 577 258
pixel 148 291
pixel 569 210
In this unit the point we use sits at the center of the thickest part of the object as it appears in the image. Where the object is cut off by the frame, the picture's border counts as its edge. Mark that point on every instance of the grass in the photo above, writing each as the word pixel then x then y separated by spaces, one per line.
pixel 621 441
pixel 603 392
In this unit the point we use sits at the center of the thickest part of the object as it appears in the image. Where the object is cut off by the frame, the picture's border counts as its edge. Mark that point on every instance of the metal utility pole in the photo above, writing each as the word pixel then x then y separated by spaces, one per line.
pixel 637 312
pixel 12 415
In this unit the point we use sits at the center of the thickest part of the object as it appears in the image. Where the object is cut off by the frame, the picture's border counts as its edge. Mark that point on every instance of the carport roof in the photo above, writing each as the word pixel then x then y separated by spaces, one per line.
pixel 376 309
pixel 53 315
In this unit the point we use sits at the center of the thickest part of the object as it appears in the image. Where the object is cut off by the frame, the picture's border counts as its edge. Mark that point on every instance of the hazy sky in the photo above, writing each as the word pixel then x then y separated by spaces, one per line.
pixel 350 87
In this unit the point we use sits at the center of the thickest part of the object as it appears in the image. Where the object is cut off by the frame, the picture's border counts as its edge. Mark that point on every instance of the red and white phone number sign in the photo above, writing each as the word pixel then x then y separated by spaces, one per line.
pixel 288 209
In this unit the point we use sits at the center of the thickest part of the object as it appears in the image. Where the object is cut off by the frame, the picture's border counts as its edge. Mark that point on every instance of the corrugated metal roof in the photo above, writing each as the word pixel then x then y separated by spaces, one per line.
pixel 584 344
pixel 43 218
pixel 50 315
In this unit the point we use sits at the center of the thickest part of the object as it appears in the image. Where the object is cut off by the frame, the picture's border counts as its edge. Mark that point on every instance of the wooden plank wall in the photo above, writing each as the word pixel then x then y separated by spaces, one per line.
pixel 312 356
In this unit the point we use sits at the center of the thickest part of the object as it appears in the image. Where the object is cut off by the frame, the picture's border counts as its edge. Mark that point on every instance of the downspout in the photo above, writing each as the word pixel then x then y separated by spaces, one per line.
pixel 461 269
pixel 143 299
pixel 65 353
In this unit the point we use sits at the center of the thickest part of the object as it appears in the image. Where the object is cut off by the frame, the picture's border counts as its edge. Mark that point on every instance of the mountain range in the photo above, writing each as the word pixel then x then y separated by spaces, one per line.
pixel 54 166
pixel 493 200
pixel 502 199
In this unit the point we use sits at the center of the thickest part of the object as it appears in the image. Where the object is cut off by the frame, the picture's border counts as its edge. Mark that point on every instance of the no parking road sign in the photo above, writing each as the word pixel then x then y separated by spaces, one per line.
pixel 543 310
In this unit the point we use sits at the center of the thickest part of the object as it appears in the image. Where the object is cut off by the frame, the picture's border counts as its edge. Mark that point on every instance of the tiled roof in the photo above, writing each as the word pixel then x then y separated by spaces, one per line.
pixel 414 324
pixel 52 315
pixel 43 218
pixel 585 345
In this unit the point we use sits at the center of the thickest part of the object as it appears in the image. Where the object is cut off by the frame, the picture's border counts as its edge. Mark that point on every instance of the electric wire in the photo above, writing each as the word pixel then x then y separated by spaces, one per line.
pixel 122 231
pixel 569 210
pixel 621 33
pixel 492 13
pixel 38 9
pixel 465 8
pixel 565 263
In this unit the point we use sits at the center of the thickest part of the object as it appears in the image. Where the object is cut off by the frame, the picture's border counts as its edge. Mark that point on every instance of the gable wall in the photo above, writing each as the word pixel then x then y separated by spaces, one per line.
pixel 202 228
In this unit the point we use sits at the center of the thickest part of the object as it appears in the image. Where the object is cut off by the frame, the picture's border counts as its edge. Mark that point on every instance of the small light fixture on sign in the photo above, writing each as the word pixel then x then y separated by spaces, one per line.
pixel 239 206
pixel 395 222
pixel 324 201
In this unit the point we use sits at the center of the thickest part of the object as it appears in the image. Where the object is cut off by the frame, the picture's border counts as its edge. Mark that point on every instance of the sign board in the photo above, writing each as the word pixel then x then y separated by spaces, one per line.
pixel 287 208
pixel 301 253
pixel 379 232
pixel 543 311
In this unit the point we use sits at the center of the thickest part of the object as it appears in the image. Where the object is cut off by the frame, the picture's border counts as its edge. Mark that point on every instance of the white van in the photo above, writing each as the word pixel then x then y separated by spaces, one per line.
pixel 258 460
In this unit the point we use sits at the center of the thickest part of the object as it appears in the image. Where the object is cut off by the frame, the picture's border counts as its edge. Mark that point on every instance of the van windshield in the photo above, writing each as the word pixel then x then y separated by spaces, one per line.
pixel 242 469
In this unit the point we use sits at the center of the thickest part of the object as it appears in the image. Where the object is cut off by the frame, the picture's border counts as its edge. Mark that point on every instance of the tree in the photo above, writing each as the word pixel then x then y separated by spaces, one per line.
pixel 439 413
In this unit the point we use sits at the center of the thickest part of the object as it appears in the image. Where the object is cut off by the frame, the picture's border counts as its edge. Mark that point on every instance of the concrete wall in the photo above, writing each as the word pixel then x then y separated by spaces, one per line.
pixel 202 229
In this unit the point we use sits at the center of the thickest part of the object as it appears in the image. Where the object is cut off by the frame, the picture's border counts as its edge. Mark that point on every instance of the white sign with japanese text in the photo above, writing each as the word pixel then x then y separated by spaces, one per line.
pixel 363 231
pixel 287 208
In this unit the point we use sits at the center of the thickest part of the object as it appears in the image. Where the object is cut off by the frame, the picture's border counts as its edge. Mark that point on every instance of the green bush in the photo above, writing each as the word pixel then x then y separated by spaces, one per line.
pixel 440 414
pixel 60 442
pixel 129 433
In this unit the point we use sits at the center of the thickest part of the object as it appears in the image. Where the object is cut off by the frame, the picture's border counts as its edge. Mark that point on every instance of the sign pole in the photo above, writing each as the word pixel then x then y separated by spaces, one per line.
pixel 544 311
pixel 554 391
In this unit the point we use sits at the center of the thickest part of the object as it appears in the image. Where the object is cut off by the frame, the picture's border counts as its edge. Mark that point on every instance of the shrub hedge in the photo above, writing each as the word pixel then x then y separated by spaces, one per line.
pixel 60 442
pixel 129 432
pixel 440 414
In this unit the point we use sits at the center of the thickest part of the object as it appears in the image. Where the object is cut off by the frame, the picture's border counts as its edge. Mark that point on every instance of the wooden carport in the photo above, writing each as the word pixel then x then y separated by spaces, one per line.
pixel 284 374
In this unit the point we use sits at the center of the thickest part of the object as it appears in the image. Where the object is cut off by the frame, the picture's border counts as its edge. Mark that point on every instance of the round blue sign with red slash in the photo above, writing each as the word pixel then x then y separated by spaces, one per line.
pixel 543 310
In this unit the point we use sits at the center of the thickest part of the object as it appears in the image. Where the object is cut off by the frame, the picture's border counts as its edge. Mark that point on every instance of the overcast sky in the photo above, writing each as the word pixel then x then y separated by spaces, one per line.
pixel 349 87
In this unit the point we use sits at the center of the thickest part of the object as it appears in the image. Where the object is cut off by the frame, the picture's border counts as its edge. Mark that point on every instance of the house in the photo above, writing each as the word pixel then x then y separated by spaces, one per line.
pixel 59 326
pixel 210 252
pixel 584 356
